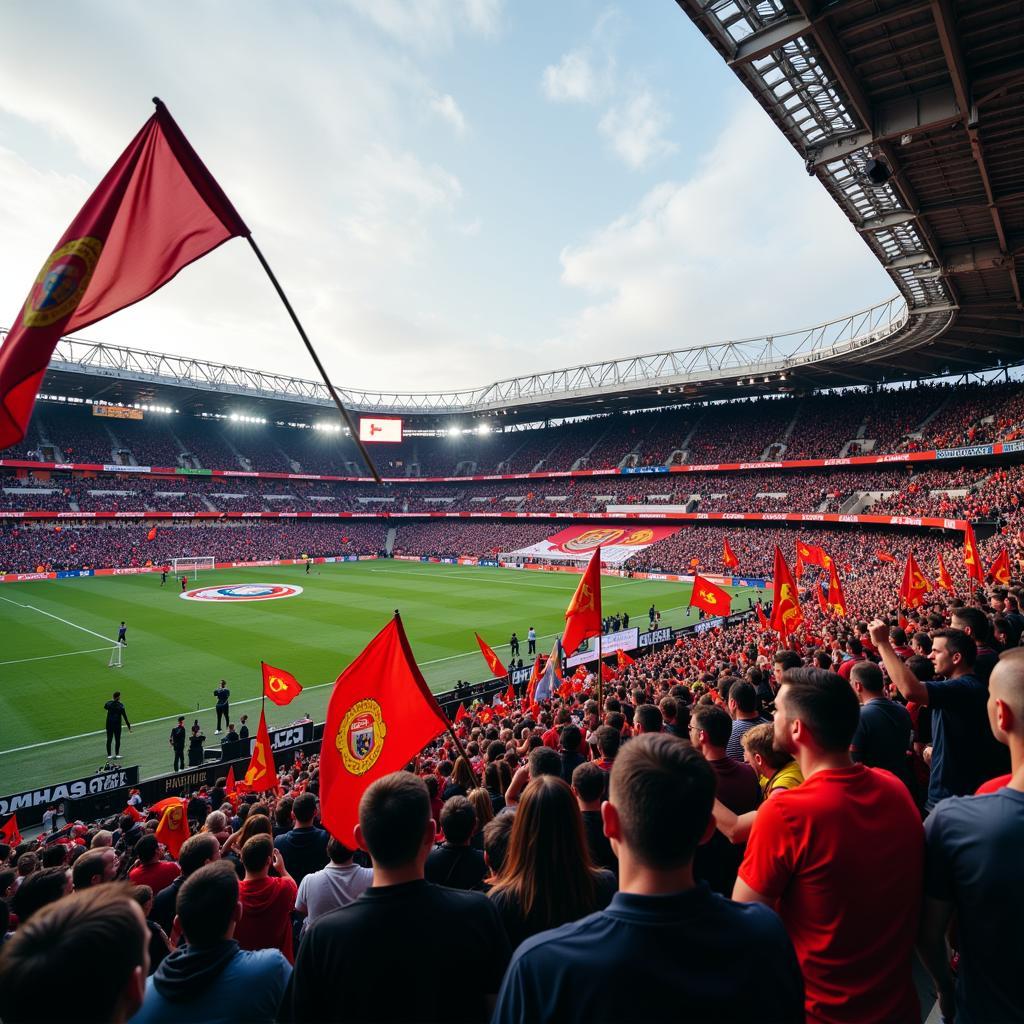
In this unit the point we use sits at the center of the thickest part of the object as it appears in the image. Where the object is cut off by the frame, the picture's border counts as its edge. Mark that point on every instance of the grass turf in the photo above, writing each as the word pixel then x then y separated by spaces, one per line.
pixel 54 677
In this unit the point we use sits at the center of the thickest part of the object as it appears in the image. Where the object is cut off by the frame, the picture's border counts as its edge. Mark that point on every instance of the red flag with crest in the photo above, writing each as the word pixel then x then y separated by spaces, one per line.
pixel 836 597
pixel 914 585
pixel 261 774
pixel 945 580
pixel 583 616
pixel 729 559
pixel 279 686
pixel 10 833
pixel 972 556
pixel 1000 570
pixel 714 600
pixel 786 613
pixel 494 664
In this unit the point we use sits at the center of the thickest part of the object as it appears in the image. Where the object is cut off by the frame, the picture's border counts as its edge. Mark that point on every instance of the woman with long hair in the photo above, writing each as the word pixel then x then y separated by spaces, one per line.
pixel 481 801
pixel 548 879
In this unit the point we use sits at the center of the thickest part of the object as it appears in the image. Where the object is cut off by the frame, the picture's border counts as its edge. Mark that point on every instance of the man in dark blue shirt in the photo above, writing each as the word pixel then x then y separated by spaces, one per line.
pixel 884 736
pixel 658 810
pixel 304 848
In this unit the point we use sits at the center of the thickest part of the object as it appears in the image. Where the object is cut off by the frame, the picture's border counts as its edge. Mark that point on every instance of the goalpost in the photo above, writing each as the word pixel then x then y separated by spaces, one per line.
pixel 192 566
pixel 116 656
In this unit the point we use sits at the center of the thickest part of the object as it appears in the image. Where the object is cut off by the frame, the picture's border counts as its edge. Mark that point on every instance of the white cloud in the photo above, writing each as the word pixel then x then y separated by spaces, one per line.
pixel 572 78
pixel 636 129
pixel 471 229
pixel 448 110
pixel 431 24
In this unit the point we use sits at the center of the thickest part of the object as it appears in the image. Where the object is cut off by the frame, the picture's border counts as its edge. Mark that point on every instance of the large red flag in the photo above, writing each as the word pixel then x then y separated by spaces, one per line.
pixel 729 558
pixel 914 585
pixel 712 599
pixel 497 669
pixel 278 685
pixel 261 774
pixel 1000 570
pixel 10 833
pixel 583 616
pixel 972 556
pixel 809 554
pixel 786 612
pixel 944 580
pixel 173 829
pixel 381 715
pixel 157 210
pixel 836 597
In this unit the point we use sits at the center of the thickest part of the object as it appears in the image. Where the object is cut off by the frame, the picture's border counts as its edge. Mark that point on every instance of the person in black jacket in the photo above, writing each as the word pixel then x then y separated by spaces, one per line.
pixel 223 707
pixel 115 713
pixel 177 742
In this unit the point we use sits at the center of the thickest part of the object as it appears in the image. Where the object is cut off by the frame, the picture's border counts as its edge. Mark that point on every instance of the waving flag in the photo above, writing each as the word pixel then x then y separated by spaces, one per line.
pixel 173 829
pixel 623 660
pixel 548 682
pixel 710 598
pixel 972 556
pixel 157 210
pixel 380 716
pixel 151 534
pixel 914 584
pixel 884 556
pixel 278 685
pixel 786 613
pixel 809 554
pixel 945 580
pixel 822 600
pixel 836 597
pixel 583 616
pixel 261 774
pixel 10 833
pixel 762 619
pixel 1000 571
pixel 494 664
pixel 729 559
pixel 509 696
pixel 461 714
pixel 229 783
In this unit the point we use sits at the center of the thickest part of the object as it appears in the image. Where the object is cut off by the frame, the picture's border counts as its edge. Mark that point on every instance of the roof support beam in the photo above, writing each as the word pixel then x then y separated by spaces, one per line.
pixel 771 37
pixel 888 220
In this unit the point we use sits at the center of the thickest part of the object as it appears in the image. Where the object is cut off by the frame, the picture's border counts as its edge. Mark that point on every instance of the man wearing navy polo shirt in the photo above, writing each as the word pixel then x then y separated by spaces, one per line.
pixel 659 809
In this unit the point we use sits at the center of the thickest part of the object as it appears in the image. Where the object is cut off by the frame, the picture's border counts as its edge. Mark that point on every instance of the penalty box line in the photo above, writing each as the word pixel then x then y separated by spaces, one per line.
pixel 74 625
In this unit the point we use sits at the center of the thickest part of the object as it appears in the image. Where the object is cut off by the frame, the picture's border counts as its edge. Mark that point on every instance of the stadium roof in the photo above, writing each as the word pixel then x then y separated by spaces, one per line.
pixel 932 90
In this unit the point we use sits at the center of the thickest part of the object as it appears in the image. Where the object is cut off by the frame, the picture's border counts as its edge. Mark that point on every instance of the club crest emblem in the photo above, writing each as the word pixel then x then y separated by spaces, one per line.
pixel 62 282
pixel 360 738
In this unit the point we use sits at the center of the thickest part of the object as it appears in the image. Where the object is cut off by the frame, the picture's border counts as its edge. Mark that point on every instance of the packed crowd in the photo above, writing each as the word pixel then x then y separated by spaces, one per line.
pixel 752 807
pixel 817 426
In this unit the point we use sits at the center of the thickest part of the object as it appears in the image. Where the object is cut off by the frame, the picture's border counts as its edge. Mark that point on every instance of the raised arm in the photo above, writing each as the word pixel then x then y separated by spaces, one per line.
pixel 902 678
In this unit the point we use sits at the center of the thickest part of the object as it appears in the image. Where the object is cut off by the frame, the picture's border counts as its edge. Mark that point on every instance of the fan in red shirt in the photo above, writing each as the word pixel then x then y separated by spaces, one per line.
pixel 841 859
pixel 151 870
pixel 267 901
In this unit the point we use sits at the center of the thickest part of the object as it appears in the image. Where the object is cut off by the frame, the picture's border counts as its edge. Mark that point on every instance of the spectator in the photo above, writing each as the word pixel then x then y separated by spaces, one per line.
pixel 659 809
pixel 648 719
pixel 588 783
pixel 38 890
pixel 884 736
pixel 210 978
pixel 809 854
pixel 346 967
pixel 304 847
pixel 159 944
pixel 336 885
pixel 548 878
pixel 570 741
pixel 975 623
pixel 195 852
pixel 776 768
pixel 454 863
pixel 267 900
pixel 496 836
pixel 90 947
pixel 151 870
pixel 542 761
pixel 972 871
pixel 745 715
pixel 94 868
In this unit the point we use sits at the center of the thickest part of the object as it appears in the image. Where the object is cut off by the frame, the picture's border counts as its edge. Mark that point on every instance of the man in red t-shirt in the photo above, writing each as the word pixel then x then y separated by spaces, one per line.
pixel 151 870
pixel 841 859
pixel 267 901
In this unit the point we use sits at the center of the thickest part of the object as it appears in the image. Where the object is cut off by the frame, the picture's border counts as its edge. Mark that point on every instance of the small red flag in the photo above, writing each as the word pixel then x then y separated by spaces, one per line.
pixel 461 714
pixel 583 616
pixel 914 584
pixel 729 558
pixel 712 599
pixel 945 580
pixel 535 674
pixel 762 619
pixel 157 210
pixel 278 685
pixel 173 829
pixel 10 833
pixel 972 556
pixel 509 696
pixel 1000 571
pixel 836 597
pixel 809 554
pixel 884 556
pixel 822 600
pixel 381 714
pixel 261 774
pixel 786 612
pixel 152 533
pixel 230 784
pixel 623 659
pixel 494 663
pixel 484 717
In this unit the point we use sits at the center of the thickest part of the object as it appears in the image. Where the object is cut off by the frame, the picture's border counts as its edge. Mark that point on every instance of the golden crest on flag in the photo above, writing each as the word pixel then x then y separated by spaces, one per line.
pixel 360 737
pixel 62 282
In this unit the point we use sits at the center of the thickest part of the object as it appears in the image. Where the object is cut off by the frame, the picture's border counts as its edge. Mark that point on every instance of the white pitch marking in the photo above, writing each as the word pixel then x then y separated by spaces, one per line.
pixel 47 657
pixel 74 625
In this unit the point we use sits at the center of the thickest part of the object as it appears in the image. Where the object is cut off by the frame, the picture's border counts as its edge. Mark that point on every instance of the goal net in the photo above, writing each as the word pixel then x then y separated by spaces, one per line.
pixel 192 566
pixel 116 656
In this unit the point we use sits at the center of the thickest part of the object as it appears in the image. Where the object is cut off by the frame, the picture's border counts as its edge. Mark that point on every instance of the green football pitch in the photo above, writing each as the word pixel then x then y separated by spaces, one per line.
pixel 57 637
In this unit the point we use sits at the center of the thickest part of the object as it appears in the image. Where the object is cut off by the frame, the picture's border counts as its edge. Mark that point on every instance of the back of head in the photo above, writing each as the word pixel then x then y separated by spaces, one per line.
pixel 745 697
pixel 458 819
pixel 496 836
pixel 196 851
pixel 975 620
pixel 87 867
pixel 608 740
pixel 715 723
pixel 147 848
pixel 589 782
pixel 922 667
pixel 824 703
pixel 663 791
pixel 206 903
pixel 868 675
pixel 571 738
pixel 649 718
pixel 393 816
pixel 544 761
pixel 1006 684
pixel 39 889
pixel 257 853
pixel 91 946
pixel 338 851
pixel 304 809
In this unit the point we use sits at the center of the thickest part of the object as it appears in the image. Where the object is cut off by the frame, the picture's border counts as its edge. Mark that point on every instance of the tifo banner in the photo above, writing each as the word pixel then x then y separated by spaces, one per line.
pixel 578 542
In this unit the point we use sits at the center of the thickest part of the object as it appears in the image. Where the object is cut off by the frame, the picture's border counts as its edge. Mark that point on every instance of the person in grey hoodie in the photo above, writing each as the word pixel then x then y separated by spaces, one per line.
pixel 211 979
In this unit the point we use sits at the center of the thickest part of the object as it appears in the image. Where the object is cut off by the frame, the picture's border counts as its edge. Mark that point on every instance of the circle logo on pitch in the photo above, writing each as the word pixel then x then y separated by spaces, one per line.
pixel 242 592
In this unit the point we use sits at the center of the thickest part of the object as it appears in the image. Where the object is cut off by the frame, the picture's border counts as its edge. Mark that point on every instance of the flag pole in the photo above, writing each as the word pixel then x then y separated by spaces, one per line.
pixel 345 414
pixel 462 752
pixel 600 664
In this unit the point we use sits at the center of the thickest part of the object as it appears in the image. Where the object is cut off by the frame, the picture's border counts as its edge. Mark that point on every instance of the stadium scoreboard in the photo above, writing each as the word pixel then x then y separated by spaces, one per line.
pixel 380 429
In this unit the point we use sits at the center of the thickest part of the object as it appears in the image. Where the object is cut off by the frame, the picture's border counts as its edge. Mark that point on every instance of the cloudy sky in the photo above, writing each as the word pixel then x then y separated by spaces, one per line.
pixel 451 191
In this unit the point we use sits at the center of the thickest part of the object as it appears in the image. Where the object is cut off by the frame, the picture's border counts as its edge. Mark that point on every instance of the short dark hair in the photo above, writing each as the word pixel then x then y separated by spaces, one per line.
pixel 206 901
pixel 745 696
pixel 714 721
pixel 37 890
pixel 393 816
pixel 854 646
pixel 87 866
pixel 589 781
pixel 922 667
pixel 257 852
pixel 959 642
pixel 649 718
pixel 88 943
pixel 663 791
pixel 544 761
pixel 147 847
pixel 338 851
pixel 976 619
pixel 669 707
pixel 825 703
pixel 924 641
pixel 458 819
pixel 571 738
pixel 196 851
pixel 304 808
pixel 608 740
pixel 787 659
pixel 869 675
pixel 496 836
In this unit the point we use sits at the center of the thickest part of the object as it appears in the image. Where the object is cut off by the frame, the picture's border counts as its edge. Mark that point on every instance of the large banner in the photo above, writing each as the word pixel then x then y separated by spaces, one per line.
pixel 577 543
